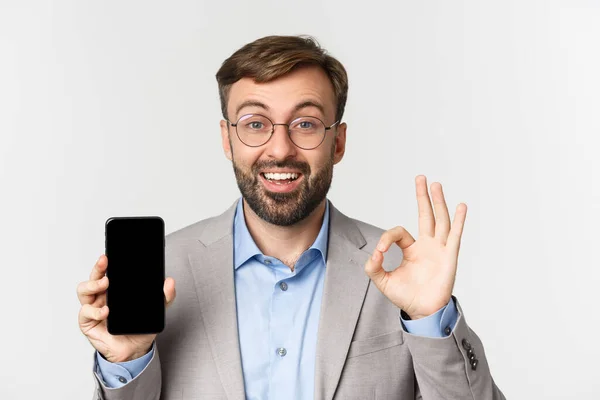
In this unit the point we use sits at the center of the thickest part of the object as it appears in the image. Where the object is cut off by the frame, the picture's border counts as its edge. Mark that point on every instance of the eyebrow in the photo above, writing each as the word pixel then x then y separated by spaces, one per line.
pixel 251 103
pixel 298 107
pixel 310 103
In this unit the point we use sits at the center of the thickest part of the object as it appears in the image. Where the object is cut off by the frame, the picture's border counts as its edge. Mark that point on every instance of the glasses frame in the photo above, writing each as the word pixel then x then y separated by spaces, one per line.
pixel 327 128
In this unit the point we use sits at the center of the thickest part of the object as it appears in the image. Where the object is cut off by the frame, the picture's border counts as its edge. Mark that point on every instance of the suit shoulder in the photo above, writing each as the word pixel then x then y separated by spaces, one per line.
pixel 193 230
pixel 197 229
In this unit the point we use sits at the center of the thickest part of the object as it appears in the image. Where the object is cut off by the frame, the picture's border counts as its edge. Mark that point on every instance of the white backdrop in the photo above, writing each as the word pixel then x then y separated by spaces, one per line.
pixel 499 101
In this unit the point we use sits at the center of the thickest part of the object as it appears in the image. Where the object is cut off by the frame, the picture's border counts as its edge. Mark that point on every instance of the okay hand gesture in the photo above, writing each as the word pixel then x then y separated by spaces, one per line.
pixel 422 283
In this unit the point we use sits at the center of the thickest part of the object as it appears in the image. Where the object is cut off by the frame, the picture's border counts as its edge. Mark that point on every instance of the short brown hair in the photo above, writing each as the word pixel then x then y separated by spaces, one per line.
pixel 271 57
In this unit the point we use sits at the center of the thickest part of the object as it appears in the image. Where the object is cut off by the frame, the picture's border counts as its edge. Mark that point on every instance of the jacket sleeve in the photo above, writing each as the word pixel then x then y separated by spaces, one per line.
pixel 452 367
pixel 145 386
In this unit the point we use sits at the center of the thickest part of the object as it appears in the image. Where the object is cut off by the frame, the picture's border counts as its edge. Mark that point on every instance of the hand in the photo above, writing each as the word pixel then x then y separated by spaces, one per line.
pixel 422 283
pixel 94 311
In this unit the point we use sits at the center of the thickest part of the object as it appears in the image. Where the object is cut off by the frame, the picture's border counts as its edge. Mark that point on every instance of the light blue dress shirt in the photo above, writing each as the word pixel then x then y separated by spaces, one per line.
pixel 278 314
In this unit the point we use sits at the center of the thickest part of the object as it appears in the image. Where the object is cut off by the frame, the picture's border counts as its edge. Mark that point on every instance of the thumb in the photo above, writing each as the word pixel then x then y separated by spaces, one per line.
pixel 374 268
pixel 169 289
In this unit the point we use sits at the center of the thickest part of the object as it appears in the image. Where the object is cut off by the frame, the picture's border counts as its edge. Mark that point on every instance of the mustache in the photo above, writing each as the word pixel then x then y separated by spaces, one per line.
pixel 304 168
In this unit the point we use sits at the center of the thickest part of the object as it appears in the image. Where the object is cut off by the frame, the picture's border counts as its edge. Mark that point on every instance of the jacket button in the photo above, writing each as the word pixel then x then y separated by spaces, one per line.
pixel 474 364
pixel 466 344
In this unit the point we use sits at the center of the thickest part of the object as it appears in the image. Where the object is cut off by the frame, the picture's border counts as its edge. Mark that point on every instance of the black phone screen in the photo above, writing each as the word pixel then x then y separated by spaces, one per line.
pixel 136 275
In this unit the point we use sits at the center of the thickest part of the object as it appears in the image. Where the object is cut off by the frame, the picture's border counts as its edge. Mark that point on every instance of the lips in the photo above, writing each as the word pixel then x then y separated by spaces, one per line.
pixel 283 186
pixel 274 171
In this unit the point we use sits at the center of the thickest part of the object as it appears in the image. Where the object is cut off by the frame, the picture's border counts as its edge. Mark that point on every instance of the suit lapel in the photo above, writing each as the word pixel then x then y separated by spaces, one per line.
pixel 343 295
pixel 212 268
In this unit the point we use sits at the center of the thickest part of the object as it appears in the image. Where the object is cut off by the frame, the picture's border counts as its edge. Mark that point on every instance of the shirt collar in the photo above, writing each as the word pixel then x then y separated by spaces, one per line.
pixel 245 247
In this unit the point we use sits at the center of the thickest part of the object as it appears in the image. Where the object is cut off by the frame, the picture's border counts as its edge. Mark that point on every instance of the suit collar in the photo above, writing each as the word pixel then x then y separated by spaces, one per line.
pixel 245 247
pixel 339 224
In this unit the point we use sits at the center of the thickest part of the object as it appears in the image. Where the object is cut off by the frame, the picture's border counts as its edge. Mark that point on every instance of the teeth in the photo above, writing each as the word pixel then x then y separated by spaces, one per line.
pixel 279 177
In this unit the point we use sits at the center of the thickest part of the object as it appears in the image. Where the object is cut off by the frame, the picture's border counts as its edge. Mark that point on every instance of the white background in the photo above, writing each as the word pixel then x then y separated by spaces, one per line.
pixel 499 101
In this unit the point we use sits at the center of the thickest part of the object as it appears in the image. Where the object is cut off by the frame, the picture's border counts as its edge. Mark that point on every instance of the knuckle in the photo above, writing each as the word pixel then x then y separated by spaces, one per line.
pixel 91 312
pixel 92 286
pixel 84 310
pixel 100 283
pixel 392 233
pixel 84 288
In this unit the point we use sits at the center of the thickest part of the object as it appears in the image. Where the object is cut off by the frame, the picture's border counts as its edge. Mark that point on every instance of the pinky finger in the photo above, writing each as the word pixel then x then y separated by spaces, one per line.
pixel 90 313
pixel 457 226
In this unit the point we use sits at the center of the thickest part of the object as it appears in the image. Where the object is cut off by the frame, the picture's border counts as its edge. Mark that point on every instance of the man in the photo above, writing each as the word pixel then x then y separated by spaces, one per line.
pixel 282 296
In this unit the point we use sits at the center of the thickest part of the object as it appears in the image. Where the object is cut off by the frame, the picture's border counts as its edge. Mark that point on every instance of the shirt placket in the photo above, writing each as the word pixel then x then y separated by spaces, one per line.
pixel 283 341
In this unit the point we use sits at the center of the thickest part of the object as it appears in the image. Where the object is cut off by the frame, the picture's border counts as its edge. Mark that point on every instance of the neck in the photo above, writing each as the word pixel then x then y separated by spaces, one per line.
pixel 285 243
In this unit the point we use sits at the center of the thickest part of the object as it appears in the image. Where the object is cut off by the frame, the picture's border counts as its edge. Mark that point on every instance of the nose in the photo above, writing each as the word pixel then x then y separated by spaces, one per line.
pixel 280 146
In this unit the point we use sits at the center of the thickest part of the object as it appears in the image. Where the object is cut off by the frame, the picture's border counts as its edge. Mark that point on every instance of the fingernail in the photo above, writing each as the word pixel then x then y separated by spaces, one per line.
pixel 380 247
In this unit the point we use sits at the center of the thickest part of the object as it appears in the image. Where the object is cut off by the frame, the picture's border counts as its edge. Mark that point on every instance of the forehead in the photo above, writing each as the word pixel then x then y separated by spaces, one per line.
pixel 283 94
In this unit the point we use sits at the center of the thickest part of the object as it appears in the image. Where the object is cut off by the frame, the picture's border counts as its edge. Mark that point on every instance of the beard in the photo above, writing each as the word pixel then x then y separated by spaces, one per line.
pixel 285 209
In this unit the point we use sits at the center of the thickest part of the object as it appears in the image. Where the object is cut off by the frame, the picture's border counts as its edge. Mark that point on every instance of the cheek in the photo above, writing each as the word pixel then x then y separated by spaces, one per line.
pixel 320 162
pixel 244 158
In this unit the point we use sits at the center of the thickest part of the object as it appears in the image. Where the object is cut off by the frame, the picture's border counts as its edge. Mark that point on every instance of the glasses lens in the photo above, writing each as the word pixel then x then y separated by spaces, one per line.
pixel 253 129
pixel 307 132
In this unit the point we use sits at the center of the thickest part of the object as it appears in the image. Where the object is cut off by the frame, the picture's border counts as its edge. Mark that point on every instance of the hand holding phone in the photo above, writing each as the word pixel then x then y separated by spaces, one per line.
pixel 94 313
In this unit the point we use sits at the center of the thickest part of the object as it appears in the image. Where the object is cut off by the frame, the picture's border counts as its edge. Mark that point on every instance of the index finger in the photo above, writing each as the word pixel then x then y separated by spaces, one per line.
pixel 397 235
pixel 99 269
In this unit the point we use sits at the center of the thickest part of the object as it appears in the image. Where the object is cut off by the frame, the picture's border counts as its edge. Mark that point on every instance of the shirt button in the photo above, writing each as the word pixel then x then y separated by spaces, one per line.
pixel 268 262
pixel 122 379
pixel 283 286
pixel 447 331
pixel 281 351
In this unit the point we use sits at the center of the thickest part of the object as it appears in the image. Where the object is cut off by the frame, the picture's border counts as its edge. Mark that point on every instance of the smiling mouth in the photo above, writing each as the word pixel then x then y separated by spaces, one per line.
pixel 281 178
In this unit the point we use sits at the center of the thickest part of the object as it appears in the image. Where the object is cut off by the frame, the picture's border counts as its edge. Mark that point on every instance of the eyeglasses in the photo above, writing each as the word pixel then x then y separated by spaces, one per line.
pixel 255 130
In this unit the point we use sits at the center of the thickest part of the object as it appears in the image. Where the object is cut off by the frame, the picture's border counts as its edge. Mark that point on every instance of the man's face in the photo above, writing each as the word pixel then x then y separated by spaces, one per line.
pixel 297 94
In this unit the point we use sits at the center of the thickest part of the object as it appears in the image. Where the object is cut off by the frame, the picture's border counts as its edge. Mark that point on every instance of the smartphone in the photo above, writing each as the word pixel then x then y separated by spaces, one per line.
pixel 135 248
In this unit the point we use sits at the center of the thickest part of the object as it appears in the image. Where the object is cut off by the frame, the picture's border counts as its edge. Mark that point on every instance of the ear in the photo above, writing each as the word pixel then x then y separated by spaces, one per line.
pixel 225 140
pixel 340 143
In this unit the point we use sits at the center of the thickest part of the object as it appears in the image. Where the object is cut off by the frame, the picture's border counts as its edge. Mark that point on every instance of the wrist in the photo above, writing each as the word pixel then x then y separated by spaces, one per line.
pixel 140 353
pixel 411 317
pixel 424 312
pixel 125 358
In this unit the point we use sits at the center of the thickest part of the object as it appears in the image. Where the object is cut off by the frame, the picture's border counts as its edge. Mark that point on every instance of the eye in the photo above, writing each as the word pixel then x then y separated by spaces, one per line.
pixel 253 123
pixel 305 125
pixel 257 125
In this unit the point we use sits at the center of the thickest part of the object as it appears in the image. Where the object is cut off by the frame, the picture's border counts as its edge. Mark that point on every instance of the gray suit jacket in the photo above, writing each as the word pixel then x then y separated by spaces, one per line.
pixel 362 350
